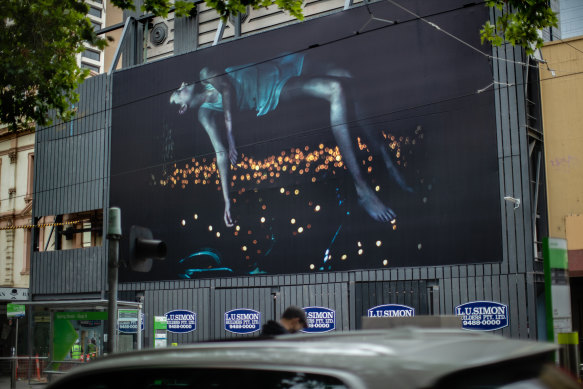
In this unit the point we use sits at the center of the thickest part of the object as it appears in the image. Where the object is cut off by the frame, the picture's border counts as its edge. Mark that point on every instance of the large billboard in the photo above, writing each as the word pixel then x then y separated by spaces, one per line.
pixel 340 143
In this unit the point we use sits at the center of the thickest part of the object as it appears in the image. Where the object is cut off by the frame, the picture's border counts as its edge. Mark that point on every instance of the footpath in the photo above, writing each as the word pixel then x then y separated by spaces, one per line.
pixel 21 384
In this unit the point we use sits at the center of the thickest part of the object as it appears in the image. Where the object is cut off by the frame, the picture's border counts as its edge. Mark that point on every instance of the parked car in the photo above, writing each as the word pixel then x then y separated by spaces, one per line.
pixel 396 358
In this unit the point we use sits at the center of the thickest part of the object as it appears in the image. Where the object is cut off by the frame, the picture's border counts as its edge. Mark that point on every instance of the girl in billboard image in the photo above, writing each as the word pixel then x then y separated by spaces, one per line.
pixel 261 88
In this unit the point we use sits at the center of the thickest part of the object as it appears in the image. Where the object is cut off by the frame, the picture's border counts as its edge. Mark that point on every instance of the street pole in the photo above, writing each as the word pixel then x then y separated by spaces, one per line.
pixel 139 329
pixel 13 369
pixel 113 236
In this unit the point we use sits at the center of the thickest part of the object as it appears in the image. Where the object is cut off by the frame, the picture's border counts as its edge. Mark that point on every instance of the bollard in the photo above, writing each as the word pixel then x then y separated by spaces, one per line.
pixel 37 369
pixel 569 352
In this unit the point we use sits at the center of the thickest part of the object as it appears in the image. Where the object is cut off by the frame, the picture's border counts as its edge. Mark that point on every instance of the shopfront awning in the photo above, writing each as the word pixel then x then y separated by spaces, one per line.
pixel 81 304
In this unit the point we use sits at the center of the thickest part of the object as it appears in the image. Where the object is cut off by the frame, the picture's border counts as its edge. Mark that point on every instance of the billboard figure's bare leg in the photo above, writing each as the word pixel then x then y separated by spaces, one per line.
pixel 206 117
pixel 332 90
pixel 379 148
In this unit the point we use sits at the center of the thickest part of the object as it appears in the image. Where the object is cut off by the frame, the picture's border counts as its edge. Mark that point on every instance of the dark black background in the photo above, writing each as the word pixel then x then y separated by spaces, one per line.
pixel 407 76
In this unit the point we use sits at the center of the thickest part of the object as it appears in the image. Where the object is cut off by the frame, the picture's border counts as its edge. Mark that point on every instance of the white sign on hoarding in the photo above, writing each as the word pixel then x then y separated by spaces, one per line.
pixel 11 294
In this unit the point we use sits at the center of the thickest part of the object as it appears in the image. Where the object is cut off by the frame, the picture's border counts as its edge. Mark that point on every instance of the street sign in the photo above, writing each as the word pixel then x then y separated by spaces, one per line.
pixel 15 310
pixel 160 332
pixel 128 321
pixel 557 288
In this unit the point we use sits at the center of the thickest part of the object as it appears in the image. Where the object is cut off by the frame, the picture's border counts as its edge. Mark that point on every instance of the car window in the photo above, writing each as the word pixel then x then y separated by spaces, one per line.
pixel 164 378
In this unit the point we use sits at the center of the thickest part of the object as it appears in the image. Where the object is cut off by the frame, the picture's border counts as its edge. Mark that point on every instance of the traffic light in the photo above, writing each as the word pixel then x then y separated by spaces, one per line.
pixel 143 248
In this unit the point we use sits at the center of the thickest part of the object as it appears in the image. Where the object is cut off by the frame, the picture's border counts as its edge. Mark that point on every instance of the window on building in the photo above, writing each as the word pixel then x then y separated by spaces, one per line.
pixel 95 12
pixel 92 54
pixel 94 68
pixel 96 25
pixel 71 231
pixel 30 179
pixel 27 239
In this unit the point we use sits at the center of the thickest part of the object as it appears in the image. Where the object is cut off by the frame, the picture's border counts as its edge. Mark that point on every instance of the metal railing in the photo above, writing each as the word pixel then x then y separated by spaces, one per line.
pixel 29 368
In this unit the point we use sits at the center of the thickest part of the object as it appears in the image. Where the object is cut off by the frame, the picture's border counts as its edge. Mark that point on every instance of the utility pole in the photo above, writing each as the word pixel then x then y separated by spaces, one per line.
pixel 113 236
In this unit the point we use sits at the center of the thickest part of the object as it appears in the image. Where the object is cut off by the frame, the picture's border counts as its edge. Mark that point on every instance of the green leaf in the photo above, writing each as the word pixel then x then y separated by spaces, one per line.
pixel 519 24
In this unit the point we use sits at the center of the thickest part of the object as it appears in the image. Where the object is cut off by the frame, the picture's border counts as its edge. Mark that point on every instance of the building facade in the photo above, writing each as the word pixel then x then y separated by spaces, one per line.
pixel 560 87
pixel 464 137
pixel 93 58
pixel 16 174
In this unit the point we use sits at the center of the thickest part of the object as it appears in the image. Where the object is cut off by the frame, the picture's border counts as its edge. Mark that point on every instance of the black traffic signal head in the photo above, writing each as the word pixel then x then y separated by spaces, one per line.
pixel 143 248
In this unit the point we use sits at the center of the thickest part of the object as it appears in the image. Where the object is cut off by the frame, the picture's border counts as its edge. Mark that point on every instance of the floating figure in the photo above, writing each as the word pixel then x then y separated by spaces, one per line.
pixel 261 88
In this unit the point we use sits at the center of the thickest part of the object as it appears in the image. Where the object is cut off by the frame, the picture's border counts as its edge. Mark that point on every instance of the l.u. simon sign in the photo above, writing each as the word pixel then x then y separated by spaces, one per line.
pixel 332 150
pixel 242 321
pixel 320 319
pixel 391 310
pixel 483 315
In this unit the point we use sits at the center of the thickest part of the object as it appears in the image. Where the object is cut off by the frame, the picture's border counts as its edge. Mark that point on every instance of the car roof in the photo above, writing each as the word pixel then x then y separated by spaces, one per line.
pixel 410 357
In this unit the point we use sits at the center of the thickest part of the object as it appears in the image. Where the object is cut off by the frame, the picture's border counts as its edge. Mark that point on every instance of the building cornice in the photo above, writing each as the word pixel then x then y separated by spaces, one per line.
pixel 18 150
pixel 23 214
pixel 5 134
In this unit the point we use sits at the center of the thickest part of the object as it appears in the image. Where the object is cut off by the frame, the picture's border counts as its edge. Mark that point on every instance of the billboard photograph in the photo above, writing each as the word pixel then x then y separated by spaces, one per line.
pixel 335 144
